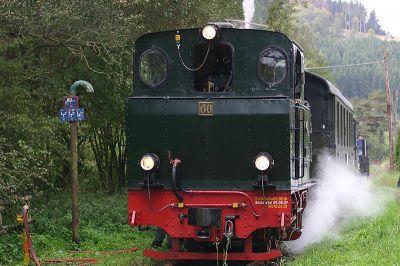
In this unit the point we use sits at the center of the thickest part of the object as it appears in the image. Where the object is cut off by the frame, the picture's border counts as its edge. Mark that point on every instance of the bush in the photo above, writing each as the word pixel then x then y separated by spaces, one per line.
pixel 31 158
pixel 397 153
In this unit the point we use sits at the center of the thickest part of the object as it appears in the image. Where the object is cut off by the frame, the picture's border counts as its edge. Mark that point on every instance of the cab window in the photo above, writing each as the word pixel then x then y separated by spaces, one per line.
pixel 153 67
pixel 272 66
pixel 215 75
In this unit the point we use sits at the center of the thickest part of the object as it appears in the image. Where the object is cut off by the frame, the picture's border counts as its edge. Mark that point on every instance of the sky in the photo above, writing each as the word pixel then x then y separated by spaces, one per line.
pixel 388 13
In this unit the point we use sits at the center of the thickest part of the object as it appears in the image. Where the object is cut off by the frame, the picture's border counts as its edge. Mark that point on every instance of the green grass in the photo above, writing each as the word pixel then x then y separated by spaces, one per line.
pixel 103 227
pixel 367 241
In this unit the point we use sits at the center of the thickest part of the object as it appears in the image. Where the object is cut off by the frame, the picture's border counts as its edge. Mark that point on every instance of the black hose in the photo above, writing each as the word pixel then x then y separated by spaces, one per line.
pixel 175 185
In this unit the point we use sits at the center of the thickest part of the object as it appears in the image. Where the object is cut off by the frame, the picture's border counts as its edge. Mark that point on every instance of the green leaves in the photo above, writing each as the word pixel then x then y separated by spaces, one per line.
pixel 31 158
pixel 372 123
pixel 47 45
pixel 282 15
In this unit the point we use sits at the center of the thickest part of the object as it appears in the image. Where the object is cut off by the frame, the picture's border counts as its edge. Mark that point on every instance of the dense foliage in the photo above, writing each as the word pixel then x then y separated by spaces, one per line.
pixel 359 81
pixel 397 153
pixel 371 117
pixel 47 45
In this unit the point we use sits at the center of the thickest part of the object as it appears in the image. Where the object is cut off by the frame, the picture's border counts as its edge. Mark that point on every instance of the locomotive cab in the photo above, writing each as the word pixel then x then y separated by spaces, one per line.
pixel 218 140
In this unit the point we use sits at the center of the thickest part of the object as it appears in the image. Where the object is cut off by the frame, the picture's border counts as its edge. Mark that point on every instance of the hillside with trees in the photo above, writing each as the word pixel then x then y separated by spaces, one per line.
pixel 364 56
pixel 341 15
pixel 345 44
pixel 345 34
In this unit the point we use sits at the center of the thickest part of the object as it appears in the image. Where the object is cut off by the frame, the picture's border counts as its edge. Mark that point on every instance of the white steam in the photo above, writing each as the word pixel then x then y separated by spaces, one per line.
pixel 248 12
pixel 339 196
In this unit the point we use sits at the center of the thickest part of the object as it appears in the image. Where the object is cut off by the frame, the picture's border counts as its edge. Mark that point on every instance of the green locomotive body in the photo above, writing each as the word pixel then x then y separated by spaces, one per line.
pixel 252 116
pixel 218 140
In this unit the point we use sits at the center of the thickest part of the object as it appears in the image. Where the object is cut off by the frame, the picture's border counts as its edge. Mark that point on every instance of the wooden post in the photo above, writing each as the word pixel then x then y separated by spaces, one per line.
pixel 388 109
pixel 74 163
pixel 74 182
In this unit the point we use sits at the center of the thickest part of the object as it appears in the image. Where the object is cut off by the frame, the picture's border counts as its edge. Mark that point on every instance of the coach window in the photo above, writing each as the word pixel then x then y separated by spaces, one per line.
pixel 213 67
pixel 343 125
pixel 347 127
pixel 272 66
pixel 153 67
pixel 337 123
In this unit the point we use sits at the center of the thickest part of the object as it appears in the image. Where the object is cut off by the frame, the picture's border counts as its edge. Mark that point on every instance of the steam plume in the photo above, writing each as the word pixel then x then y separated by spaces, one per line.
pixel 340 196
pixel 248 12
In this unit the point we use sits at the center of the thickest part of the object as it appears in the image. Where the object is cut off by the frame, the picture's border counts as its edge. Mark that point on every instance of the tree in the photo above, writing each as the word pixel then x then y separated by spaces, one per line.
pixel 372 123
pixel 355 24
pixel 338 25
pixel 281 15
pixel 47 45
pixel 321 22
pixel 373 23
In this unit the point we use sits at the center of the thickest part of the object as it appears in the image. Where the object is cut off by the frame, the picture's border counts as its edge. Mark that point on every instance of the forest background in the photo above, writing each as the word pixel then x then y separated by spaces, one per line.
pixel 47 45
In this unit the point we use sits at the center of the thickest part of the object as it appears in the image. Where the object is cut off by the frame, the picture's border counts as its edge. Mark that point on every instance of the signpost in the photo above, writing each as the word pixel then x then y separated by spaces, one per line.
pixel 72 113
pixel 71 102
pixel 69 115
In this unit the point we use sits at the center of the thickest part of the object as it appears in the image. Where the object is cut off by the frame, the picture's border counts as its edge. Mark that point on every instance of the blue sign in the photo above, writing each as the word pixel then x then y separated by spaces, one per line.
pixel 71 102
pixel 68 115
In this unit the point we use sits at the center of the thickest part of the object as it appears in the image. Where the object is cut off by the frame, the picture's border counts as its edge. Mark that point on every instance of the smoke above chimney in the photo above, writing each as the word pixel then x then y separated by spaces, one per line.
pixel 248 12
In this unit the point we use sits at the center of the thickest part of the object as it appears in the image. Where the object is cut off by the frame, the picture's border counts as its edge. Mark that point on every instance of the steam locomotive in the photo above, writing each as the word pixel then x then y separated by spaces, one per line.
pixel 224 130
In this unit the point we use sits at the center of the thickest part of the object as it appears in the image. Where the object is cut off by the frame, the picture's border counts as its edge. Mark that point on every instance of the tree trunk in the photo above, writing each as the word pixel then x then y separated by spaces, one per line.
pixel 108 145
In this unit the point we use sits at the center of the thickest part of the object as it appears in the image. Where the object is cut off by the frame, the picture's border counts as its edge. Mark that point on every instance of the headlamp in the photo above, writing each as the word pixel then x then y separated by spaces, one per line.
pixel 263 161
pixel 149 162
pixel 210 31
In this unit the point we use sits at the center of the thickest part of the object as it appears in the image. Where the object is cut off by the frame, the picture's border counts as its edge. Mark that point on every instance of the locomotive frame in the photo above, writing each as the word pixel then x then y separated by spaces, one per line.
pixel 221 140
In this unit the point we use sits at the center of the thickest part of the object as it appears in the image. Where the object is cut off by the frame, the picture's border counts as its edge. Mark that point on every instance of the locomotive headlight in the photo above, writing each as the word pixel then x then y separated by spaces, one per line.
pixel 149 162
pixel 209 31
pixel 263 161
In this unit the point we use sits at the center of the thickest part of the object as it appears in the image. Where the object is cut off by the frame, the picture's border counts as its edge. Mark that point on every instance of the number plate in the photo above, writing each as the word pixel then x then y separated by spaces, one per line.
pixel 206 108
